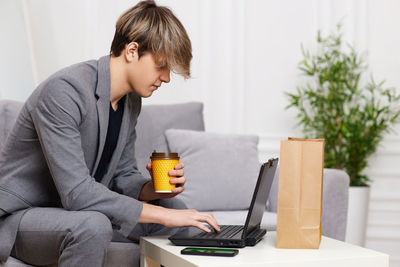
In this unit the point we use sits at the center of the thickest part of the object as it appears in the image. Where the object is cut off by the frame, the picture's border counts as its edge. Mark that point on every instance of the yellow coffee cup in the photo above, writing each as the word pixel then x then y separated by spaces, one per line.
pixel 161 164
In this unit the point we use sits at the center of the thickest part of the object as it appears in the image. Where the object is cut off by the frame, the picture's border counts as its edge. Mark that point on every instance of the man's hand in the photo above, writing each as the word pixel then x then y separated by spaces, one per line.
pixel 147 193
pixel 180 218
pixel 177 218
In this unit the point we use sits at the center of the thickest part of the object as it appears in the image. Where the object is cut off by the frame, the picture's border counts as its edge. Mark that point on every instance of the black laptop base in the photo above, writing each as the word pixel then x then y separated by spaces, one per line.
pixel 234 242
pixel 210 243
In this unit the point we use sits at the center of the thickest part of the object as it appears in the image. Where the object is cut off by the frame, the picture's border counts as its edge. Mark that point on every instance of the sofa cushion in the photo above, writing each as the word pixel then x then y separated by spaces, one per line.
pixel 9 111
pixel 118 254
pixel 221 170
pixel 155 119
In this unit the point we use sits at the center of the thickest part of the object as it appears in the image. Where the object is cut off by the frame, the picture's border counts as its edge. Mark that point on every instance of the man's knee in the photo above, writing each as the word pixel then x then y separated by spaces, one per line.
pixel 96 225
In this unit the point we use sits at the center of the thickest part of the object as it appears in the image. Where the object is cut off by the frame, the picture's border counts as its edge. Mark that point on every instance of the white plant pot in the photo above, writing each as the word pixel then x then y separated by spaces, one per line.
pixel 357 215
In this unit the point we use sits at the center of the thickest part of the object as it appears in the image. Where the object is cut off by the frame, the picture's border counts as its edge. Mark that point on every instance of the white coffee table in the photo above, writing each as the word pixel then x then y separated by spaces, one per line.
pixel 333 253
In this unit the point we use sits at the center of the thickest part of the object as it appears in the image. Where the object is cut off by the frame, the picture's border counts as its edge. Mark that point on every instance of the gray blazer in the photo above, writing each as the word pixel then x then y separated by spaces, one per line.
pixel 54 148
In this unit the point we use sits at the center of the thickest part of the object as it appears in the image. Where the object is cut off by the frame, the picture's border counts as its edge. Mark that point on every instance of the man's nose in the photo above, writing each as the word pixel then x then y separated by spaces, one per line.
pixel 165 76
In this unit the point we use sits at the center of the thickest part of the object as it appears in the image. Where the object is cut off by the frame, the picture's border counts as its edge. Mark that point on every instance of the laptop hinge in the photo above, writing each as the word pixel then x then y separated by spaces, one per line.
pixel 255 236
pixel 249 231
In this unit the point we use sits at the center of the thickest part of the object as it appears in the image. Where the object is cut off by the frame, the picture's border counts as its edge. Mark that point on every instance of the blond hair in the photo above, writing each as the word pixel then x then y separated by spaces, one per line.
pixel 158 31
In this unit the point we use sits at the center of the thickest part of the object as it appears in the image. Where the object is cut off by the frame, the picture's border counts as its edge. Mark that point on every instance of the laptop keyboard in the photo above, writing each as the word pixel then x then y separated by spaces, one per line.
pixel 227 231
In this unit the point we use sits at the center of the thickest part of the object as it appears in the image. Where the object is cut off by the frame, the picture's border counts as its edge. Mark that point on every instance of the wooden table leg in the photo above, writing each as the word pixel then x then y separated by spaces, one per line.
pixel 148 262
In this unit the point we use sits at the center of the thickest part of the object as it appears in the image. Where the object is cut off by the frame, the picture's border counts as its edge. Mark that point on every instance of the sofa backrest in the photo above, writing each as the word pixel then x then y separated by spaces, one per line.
pixel 9 111
pixel 154 120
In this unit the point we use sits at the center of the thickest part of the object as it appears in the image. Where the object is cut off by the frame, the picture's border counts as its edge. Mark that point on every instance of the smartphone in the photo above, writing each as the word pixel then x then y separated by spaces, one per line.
pixel 210 252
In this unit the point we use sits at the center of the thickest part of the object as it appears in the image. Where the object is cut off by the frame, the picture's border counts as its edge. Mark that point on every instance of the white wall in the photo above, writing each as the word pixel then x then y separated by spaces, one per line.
pixel 245 56
pixel 383 231
pixel 16 69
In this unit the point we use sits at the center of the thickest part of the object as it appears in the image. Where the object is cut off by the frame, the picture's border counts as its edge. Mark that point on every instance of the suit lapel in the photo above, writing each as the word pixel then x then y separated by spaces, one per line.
pixel 103 104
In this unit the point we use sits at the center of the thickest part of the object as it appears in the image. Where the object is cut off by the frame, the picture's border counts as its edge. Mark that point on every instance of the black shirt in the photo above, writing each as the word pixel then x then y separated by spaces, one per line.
pixel 114 126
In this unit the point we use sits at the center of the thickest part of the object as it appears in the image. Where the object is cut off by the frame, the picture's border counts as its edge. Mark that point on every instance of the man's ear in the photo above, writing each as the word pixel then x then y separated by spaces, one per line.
pixel 131 51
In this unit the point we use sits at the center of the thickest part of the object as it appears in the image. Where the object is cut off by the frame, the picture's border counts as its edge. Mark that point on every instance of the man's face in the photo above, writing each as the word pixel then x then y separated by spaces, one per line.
pixel 145 77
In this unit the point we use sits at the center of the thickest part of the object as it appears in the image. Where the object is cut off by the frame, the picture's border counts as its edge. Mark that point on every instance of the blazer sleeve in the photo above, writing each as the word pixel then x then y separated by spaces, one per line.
pixel 128 180
pixel 59 112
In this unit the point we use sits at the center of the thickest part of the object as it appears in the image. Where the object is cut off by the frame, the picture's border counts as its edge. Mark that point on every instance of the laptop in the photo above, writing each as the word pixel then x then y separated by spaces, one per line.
pixel 235 235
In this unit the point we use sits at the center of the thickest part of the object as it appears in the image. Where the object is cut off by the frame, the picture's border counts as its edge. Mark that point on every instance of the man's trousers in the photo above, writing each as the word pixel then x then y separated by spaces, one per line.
pixel 76 238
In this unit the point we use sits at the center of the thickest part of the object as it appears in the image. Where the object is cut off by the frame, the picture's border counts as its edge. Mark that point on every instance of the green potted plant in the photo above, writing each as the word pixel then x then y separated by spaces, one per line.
pixel 352 118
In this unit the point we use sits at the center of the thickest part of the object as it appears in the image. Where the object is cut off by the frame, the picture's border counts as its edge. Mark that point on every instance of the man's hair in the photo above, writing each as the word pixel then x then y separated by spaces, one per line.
pixel 157 31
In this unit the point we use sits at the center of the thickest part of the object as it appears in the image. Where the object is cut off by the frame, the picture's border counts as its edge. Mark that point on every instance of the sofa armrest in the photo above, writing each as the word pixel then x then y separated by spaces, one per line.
pixel 335 198
pixel 334 202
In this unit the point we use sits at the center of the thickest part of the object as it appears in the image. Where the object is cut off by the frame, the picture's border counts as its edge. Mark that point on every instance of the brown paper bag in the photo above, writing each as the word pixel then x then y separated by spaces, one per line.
pixel 300 193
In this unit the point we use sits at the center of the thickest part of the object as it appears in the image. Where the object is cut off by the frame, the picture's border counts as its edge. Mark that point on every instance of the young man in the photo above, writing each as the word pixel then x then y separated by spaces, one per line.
pixel 68 175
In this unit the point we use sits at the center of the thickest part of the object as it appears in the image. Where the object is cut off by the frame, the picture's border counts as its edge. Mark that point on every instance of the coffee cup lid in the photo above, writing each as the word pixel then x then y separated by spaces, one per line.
pixel 162 155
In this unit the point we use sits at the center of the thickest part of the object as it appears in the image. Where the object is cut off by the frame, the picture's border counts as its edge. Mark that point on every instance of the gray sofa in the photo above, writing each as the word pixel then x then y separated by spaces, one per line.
pixel 152 125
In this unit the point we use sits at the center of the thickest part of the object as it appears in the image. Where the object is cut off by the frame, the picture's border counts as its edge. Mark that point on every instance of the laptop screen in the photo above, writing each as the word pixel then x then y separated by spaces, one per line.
pixel 260 196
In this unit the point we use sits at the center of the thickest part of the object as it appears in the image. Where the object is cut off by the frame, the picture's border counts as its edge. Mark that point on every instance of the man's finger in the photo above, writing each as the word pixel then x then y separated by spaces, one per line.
pixel 179 166
pixel 179 180
pixel 148 166
pixel 202 227
pixel 178 190
pixel 208 218
pixel 176 172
